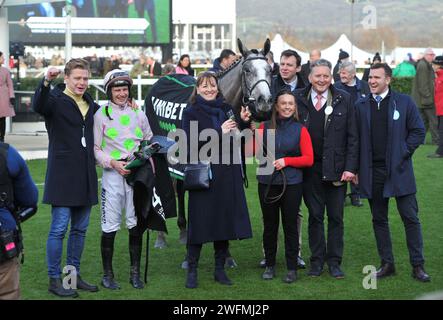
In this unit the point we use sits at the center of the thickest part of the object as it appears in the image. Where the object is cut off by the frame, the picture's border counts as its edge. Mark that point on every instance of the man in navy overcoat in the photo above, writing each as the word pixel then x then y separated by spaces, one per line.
pixel 390 129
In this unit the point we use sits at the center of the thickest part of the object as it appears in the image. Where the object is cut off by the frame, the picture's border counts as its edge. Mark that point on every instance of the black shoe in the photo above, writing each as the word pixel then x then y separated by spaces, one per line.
pixel 315 271
pixel 269 273
pixel 221 277
pixel 83 285
pixel 291 276
pixel 386 270
pixel 356 201
pixel 420 274
pixel 435 155
pixel 191 279
pixel 56 287
pixel 300 263
pixel 336 272
pixel 262 263
pixel 109 283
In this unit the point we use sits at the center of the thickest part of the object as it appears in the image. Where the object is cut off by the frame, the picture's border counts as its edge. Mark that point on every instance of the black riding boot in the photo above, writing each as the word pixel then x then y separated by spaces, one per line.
pixel 107 248
pixel 220 252
pixel 135 252
pixel 193 257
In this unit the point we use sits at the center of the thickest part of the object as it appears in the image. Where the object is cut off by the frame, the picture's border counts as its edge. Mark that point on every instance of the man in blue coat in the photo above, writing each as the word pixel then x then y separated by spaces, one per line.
pixel 390 130
pixel 17 191
pixel 71 179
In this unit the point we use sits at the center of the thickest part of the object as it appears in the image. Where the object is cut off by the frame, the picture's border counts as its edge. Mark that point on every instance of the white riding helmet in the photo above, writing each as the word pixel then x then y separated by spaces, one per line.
pixel 116 78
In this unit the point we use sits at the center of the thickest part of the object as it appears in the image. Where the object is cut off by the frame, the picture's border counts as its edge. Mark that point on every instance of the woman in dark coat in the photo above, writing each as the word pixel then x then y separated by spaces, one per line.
pixel 220 213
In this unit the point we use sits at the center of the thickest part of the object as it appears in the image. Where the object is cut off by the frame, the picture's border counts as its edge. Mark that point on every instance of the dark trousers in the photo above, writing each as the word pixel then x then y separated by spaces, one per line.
pixel 318 196
pixel 408 209
pixel 355 190
pixel 440 135
pixel 289 205
pixel 430 121
pixel 220 250
pixel 2 129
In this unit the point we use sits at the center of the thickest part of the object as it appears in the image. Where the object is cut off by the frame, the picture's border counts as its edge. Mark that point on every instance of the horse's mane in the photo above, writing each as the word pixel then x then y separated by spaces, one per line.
pixel 221 73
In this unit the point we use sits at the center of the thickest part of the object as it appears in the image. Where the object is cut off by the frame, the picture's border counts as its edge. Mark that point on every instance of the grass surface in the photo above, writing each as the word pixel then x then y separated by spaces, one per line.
pixel 166 279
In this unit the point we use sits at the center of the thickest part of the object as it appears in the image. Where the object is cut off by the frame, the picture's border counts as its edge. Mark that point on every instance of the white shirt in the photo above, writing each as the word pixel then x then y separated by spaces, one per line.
pixel 382 95
pixel 314 97
pixel 292 84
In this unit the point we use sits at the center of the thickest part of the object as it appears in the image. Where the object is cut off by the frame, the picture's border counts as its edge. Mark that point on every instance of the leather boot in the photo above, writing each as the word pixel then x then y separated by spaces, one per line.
pixel 107 249
pixel 192 258
pixel 56 287
pixel 135 251
pixel 219 273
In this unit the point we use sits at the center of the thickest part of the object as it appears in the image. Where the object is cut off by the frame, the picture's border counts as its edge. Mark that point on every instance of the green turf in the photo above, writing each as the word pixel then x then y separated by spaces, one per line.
pixel 166 278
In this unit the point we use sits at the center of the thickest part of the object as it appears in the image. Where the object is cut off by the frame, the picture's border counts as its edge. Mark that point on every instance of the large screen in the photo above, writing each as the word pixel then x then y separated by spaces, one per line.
pixel 93 22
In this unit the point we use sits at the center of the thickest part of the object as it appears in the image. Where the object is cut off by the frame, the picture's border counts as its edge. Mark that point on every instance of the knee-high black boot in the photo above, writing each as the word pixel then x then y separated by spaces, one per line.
pixel 220 252
pixel 135 251
pixel 107 249
pixel 193 257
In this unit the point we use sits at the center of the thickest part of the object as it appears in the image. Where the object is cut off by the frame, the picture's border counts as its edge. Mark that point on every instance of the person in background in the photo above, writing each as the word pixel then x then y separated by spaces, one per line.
pixel 274 65
pixel 293 151
pixel 169 68
pixel 7 97
pixel 140 67
pixel 423 93
pixel 343 56
pixel 357 89
pixel 154 68
pixel 226 58
pixel 390 130
pixel 376 59
pixel 314 55
pixel 184 66
pixel 437 64
pixel 404 69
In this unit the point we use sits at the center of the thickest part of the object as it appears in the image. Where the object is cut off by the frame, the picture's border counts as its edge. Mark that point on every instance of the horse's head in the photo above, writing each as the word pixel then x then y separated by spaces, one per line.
pixel 256 80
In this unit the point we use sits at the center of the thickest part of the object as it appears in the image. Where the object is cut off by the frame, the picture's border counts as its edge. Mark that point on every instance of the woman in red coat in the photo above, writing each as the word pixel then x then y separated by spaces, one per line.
pixel 437 64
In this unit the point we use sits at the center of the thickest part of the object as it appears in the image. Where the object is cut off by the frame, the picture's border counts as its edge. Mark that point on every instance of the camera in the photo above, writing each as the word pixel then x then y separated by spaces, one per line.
pixel 24 214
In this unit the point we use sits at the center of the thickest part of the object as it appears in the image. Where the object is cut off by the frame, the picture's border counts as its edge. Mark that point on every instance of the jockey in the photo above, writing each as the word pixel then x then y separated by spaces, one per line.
pixel 118 132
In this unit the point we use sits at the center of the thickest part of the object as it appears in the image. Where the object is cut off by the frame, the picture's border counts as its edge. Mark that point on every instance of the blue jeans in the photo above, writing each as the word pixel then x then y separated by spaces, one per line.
pixel 79 217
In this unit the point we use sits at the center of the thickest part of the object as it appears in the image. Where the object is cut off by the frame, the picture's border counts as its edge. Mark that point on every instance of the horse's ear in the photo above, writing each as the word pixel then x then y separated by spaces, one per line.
pixel 243 50
pixel 266 47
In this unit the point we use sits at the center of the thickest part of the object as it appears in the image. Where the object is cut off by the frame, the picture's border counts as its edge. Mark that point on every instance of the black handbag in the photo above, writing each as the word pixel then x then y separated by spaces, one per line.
pixel 197 176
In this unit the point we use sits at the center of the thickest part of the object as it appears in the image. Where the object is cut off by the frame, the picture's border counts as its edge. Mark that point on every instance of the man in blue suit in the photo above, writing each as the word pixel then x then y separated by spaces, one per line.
pixel 390 130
